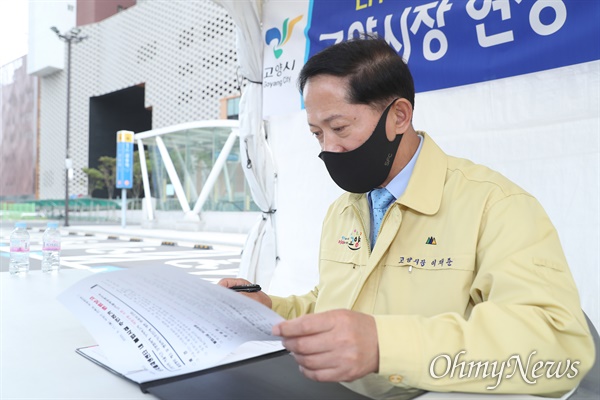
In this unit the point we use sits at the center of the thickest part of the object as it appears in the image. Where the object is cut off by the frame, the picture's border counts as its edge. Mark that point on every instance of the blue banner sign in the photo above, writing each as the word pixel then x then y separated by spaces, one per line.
pixel 124 160
pixel 451 43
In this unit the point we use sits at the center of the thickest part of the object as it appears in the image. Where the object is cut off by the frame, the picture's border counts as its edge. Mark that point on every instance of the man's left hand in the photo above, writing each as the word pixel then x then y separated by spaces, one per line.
pixel 337 345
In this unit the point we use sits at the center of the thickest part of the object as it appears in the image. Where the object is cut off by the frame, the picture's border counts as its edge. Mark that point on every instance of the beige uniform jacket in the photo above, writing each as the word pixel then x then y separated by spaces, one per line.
pixel 468 285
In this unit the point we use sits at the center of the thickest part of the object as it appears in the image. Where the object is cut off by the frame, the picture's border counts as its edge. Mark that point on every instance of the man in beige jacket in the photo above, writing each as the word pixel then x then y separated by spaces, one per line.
pixel 458 282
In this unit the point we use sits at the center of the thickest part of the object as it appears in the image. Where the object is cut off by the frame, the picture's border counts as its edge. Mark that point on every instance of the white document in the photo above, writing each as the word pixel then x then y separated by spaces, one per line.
pixel 154 323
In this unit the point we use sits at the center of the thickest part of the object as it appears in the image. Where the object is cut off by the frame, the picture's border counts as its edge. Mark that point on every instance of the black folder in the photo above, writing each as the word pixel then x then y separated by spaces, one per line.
pixel 271 376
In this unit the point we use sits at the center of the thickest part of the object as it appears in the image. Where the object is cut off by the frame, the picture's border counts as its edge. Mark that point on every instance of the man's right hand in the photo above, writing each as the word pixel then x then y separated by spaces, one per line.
pixel 261 297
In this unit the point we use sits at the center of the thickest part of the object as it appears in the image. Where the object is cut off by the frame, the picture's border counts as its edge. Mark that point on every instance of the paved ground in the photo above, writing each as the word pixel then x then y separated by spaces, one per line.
pixel 109 247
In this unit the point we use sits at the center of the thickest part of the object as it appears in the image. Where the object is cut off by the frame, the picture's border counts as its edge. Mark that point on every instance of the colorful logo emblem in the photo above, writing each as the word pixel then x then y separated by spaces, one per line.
pixel 282 36
pixel 353 241
pixel 431 240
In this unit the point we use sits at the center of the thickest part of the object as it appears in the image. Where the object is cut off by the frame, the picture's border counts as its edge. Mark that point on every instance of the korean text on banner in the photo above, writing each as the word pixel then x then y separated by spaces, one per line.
pixel 452 43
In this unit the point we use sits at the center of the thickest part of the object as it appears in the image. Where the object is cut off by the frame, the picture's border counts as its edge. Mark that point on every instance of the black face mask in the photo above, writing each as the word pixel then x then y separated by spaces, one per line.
pixel 366 167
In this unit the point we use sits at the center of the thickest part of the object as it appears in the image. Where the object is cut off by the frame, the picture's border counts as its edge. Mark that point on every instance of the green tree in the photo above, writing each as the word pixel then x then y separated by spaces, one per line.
pixel 104 176
pixel 108 168
pixel 95 180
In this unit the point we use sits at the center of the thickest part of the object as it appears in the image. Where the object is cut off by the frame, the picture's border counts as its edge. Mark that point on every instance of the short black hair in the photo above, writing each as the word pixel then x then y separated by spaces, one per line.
pixel 376 73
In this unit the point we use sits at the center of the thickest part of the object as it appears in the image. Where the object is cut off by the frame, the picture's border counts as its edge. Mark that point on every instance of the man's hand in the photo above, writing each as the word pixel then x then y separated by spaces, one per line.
pixel 337 345
pixel 261 297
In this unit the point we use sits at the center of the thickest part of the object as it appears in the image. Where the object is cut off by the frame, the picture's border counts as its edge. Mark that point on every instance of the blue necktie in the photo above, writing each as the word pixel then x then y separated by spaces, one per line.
pixel 380 200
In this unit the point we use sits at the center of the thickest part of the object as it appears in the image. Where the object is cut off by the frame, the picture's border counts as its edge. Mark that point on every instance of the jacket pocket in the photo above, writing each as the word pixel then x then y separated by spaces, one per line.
pixel 339 277
pixel 425 284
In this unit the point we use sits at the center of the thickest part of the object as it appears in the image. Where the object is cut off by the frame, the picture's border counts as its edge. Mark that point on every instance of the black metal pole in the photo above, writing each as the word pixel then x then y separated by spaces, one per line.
pixel 68 133
pixel 69 38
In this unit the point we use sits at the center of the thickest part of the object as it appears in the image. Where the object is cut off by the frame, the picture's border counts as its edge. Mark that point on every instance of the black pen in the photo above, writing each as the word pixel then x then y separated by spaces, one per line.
pixel 246 288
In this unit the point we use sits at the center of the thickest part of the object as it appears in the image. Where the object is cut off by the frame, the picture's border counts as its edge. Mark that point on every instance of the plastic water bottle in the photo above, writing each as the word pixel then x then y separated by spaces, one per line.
pixel 51 248
pixel 19 250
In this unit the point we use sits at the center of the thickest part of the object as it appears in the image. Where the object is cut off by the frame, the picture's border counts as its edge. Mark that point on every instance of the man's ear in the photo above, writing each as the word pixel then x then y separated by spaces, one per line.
pixel 401 118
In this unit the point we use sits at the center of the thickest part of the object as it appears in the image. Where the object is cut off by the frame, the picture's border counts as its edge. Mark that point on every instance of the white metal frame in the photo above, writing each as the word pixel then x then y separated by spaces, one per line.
pixel 190 214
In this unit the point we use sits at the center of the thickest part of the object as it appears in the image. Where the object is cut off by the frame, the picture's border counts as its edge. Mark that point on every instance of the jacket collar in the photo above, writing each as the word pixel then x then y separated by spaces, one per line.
pixel 426 185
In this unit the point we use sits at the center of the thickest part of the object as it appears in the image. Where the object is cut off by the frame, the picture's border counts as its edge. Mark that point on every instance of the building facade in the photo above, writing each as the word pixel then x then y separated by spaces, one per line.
pixel 18 133
pixel 151 65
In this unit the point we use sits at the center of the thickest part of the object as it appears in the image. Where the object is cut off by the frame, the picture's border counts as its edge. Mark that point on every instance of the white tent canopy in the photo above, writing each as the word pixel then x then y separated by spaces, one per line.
pixel 260 249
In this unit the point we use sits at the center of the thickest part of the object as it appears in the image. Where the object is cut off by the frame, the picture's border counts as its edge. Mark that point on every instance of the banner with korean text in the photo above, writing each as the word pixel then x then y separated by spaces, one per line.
pixel 124 173
pixel 446 43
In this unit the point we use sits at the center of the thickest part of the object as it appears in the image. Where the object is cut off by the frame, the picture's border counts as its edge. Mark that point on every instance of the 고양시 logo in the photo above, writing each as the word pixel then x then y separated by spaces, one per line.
pixel 281 37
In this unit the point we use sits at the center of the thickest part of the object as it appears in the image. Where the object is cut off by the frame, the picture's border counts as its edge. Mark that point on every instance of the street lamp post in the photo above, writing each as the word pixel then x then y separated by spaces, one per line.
pixel 70 37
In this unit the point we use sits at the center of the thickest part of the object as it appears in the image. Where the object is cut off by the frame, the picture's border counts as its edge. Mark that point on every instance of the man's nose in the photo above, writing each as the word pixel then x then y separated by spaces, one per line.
pixel 331 143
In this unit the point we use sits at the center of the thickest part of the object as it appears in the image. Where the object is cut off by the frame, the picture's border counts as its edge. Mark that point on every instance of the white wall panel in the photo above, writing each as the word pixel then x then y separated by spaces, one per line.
pixel 45 50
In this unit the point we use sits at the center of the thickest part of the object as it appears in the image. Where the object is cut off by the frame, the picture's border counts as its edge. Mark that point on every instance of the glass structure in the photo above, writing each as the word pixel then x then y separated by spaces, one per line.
pixel 193 152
